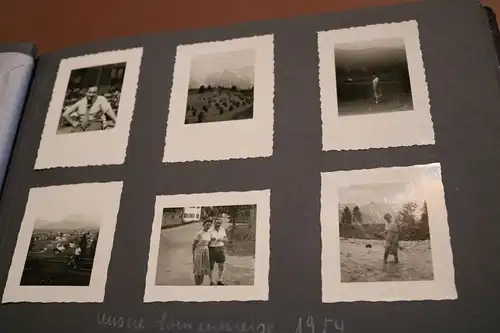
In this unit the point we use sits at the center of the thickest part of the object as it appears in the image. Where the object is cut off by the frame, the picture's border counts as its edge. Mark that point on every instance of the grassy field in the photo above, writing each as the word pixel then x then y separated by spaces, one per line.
pixel 362 252
pixel 49 269
pixel 47 265
pixel 218 105
pixel 365 264
pixel 242 241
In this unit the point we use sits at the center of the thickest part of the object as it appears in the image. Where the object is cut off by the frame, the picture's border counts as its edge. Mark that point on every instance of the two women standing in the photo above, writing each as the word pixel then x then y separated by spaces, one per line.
pixel 209 249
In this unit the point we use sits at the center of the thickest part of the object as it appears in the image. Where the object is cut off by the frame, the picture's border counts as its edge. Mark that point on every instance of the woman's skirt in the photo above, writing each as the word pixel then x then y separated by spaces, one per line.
pixel 201 261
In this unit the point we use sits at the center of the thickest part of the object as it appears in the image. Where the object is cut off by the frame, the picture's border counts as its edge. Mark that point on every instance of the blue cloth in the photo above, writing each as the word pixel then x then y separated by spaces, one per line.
pixel 15 74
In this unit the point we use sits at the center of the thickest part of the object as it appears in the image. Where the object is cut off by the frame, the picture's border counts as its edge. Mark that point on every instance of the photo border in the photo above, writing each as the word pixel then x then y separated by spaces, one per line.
pixel 94 148
pixel 244 138
pixel 94 293
pixel 257 292
pixel 333 290
pixel 372 128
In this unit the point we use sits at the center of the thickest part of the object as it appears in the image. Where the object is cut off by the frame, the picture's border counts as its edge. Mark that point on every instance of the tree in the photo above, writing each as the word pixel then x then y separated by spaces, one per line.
pixel 201 89
pixel 93 246
pixel 32 243
pixel 406 215
pixel 83 244
pixel 424 230
pixel 356 215
pixel 346 217
pixel 201 117
pixel 424 218
pixel 234 212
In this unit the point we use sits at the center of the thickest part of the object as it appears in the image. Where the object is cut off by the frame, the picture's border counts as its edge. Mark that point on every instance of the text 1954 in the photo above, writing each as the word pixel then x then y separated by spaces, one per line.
pixel 324 325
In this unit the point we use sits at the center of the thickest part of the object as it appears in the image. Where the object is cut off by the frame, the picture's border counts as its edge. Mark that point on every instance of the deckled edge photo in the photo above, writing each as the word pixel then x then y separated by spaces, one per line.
pixel 440 288
pixel 222 140
pixel 91 148
pixel 380 130
pixel 195 293
pixel 59 277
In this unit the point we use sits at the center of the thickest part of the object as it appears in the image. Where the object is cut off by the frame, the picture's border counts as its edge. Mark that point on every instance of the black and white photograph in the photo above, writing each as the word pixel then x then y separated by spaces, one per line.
pixel 211 245
pixel 370 78
pixel 63 248
pixel 92 99
pixel 61 253
pixel 90 111
pixel 221 89
pixel 385 235
pixel 199 248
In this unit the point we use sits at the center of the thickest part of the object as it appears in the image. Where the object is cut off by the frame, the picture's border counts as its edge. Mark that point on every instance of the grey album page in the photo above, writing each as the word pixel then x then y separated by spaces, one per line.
pixel 327 173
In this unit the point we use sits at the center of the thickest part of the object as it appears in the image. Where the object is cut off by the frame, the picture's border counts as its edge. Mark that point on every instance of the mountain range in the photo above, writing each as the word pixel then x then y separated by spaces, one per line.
pixel 241 78
pixel 373 213
pixel 72 222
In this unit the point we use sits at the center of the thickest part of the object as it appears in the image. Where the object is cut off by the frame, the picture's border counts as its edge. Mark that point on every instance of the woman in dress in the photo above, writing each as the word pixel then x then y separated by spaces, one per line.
pixel 201 256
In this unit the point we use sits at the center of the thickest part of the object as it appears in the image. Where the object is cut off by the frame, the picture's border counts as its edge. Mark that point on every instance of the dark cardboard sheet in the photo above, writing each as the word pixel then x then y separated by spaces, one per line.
pixel 460 64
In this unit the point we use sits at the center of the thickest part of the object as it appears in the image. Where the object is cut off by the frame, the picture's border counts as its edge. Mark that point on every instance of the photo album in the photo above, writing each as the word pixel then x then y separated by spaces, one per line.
pixel 309 174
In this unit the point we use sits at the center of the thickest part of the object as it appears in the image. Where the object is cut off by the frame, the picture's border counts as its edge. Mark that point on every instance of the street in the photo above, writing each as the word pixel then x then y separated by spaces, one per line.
pixel 175 260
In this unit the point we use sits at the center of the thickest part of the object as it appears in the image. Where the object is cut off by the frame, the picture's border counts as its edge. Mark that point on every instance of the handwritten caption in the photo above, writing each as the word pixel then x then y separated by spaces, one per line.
pixel 307 324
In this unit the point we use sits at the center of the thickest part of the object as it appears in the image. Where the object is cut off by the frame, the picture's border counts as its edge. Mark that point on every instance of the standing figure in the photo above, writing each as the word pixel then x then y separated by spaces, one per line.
pixel 377 92
pixel 201 255
pixel 74 260
pixel 391 239
pixel 217 251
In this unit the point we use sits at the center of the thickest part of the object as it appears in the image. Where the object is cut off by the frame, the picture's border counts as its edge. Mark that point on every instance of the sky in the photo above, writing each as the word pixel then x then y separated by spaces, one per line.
pixel 417 189
pixel 239 62
pixel 397 43
pixel 68 221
